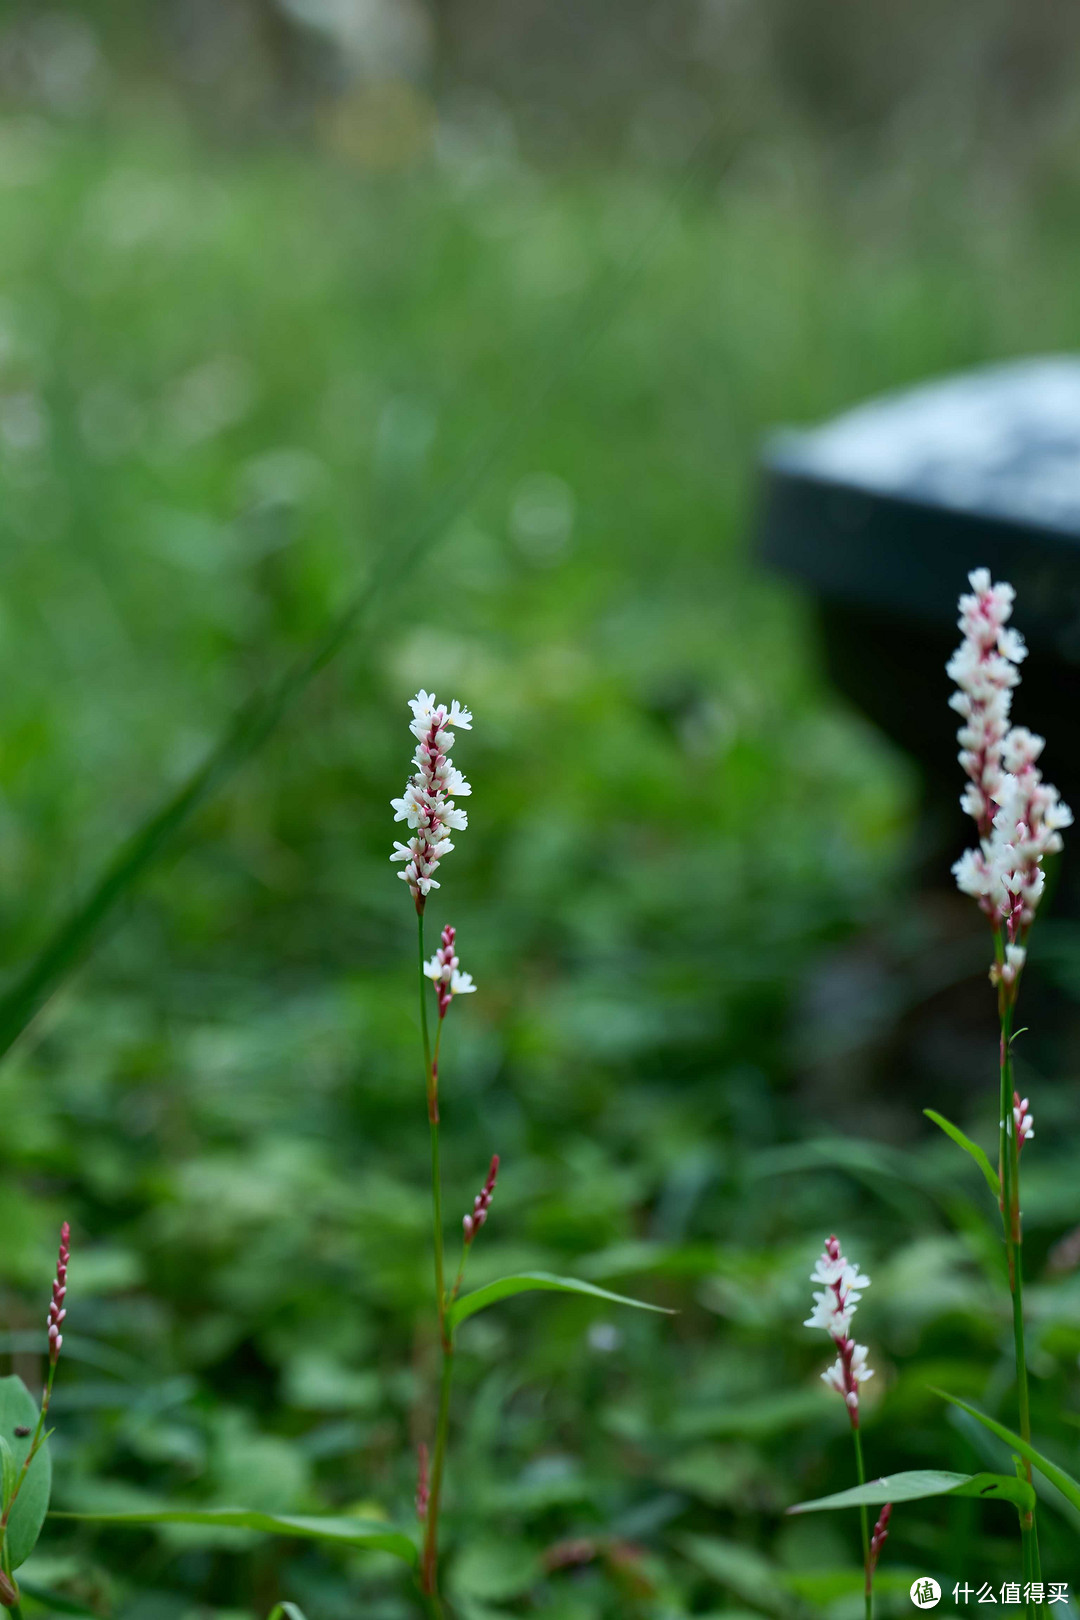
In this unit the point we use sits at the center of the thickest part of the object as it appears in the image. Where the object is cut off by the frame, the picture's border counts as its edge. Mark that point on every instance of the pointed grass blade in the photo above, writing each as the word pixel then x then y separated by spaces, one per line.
pixel 369 1533
pixel 1069 1487
pixel 971 1148
pixel 527 1281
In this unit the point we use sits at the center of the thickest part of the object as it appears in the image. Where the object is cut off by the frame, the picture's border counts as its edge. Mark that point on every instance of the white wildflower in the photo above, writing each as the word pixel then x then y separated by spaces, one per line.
pixel 834 1307
pixel 1019 816
pixel 444 971
pixel 427 805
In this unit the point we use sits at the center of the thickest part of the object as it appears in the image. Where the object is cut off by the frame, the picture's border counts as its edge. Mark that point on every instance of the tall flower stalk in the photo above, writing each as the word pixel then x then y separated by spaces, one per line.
pixel 428 808
pixel 14 1475
pixel 834 1306
pixel 1020 819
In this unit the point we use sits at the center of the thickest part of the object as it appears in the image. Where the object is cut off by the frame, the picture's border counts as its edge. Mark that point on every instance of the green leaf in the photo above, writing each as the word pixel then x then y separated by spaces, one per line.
pixel 18 1411
pixel 971 1148
pixel 525 1281
pixel 287 1611
pixel 922 1482
pixel 1065 1483
pixel 368 1533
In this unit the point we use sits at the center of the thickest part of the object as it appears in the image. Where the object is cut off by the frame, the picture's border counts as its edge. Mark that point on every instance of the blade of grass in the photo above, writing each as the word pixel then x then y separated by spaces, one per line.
pixel 971 1148
pixel 1059 1477
pixel 257 719
pixel 374 1535
pixel 526 1281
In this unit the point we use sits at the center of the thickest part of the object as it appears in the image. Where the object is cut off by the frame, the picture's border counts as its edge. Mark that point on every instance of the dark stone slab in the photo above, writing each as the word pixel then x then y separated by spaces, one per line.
pixel 888 506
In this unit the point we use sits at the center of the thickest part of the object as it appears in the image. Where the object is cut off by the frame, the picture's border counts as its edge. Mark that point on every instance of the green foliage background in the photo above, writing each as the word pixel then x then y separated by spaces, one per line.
pixel 231 376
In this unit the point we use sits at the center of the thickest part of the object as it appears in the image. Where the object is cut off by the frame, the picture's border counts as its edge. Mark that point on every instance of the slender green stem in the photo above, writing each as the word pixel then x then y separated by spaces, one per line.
pixel 5 1563
pixel 1011 1220
pixel 423 1000
pixel 431 1083
pixel 436 1217
pixel 865 1522
pixel 1009 1160
pixel 429 1562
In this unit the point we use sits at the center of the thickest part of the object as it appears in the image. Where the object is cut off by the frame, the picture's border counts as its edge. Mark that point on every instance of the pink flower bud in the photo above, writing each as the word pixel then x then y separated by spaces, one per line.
pixel 57 1312
pixel 482 1202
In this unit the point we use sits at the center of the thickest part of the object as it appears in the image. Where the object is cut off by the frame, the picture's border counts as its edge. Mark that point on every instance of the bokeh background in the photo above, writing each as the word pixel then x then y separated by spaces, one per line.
pixel 492 304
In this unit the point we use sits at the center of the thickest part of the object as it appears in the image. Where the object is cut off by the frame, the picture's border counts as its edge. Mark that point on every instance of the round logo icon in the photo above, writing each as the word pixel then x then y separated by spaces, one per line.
pixel 925 1592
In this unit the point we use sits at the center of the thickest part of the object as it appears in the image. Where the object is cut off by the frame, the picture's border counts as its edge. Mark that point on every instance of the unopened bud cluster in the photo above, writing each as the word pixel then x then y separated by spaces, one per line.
pixel 481 1203
pixel 878 1539
pixel 834 1307
pixel 59 1291
pixel 427 805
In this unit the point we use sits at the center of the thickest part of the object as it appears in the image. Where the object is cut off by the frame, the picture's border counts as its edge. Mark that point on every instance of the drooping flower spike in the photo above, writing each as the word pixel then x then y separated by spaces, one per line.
pixel 444 971
pixel 1020 817
pixel 834 1307
pixel 427 805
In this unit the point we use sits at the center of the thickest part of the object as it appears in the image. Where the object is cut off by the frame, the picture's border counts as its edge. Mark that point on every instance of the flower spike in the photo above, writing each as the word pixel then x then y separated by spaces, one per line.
pixel 834 1307
pixel 59 1291
pixel 444 971
pixel 1020 818
pixel 427 805
pixel 878 1539
pixel 481 1203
